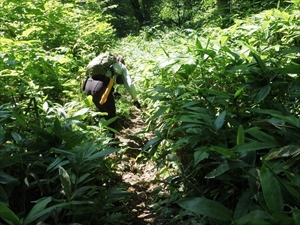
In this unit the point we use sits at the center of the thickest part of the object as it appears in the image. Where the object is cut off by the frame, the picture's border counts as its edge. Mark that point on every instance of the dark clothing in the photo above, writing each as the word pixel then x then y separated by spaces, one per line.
pixel 96 87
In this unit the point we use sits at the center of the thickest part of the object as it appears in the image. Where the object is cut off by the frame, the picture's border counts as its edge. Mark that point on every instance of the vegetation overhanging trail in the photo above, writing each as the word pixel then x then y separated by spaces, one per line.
pixel 137 173
pixel 222 94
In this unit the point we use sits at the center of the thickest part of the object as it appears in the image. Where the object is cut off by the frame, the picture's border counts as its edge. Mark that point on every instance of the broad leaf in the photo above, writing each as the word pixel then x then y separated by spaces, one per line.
pixel 253 146
pixel 271 189
pixel 17 137
pixel 240 139
pixel 65 181
pixel 261 136
pixel 103 153
pixel 243 205
pixel 19 117
pixel 262 93
pixel 292 69
pixel 256 217
pixel 224 151
pixel 39 210
pixel 224 167
pixel 7 179
pixel 8 216
pixel 57 130
pixel 40 132
pixel 296 215
pixel 206 207
pixel 199 156
pixel 160 112
pixel 258 60
pixel 284 152
pixel 220 120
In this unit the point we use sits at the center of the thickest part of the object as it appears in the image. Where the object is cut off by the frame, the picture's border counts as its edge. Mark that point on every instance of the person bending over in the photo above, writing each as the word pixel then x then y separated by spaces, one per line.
pixel 97 83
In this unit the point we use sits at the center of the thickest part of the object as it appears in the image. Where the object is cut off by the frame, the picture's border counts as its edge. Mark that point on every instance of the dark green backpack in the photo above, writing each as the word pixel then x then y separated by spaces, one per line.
pixel 100 64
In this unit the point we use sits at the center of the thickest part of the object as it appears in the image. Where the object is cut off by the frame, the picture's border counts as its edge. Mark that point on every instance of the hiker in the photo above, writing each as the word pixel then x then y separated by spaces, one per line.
pixel 98 80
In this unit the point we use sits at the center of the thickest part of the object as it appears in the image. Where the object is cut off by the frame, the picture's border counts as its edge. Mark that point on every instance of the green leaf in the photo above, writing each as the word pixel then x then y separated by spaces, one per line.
pixel 224 151
pixel 220 120
pixel 7 179
pixel 66 181
pixel 234 55
pixel 165 63
pixel 262 93
pixel 103 153
pixel 261 136
pixel 284 152
pixel 238 92
pixel 243 204
pixel 283 218
pixel 175 68
pixel 253 180
pixel 40 132
pixel 206 207
pixel 224 167
pixel 88 100
pixel 38 207
pixel 19 117
pixel 271 188
pixel 290 188
pixel 217 93
pixel 79 124
pixel 8 216
pixel 291 69
pixel 253 146
pixel 240 139
pixel 2 139
pixel 293 177
pixel 256 217
pixel 268 112
pixel 54 164
pixel 160 112
pixel 290 119
pixel 199 156
pixel 17 137
pixel 117 193
pixel 194 120
pixel 258 60
pixel 198 44
pixel 45 106
pixel 81 114
pixel 296 215
pixel 39 210
pixel 57 130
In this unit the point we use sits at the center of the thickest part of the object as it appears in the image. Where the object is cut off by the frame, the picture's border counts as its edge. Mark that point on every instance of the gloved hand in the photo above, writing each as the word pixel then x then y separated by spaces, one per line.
pixel 137 104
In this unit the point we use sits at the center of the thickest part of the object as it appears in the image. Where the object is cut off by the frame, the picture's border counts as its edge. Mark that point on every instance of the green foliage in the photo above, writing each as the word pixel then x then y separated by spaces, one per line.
pixel 53 154
pixel 223 104
pixel 59 166
pixel 42 56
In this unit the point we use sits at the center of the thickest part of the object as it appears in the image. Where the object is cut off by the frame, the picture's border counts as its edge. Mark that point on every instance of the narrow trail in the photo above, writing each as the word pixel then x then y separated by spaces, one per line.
pixel 138 173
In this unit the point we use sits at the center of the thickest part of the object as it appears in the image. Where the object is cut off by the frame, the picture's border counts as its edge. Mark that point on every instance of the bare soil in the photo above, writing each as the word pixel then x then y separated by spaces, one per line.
pixel 136 171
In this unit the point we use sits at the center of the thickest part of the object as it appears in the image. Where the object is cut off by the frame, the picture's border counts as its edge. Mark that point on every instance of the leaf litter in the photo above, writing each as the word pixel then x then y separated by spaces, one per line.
pixel 138 173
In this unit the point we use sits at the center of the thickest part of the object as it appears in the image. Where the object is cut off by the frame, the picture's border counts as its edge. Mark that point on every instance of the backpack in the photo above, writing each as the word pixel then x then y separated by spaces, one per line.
pixel 100 65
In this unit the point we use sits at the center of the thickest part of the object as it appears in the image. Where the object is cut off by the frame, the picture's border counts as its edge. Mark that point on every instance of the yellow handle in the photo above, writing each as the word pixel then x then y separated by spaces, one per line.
pixel 107 91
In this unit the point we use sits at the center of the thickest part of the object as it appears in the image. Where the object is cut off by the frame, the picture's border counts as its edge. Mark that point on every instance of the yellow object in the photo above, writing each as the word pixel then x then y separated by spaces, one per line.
pixel 107 91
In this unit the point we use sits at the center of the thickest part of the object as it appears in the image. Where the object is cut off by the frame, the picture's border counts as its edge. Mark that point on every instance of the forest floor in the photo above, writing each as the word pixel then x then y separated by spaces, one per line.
pixel 137 172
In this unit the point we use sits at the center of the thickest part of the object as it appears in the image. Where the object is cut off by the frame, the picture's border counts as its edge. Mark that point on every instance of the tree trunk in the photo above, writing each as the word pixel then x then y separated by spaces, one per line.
pixel 146 10
pixel 223 6
pixel 137 11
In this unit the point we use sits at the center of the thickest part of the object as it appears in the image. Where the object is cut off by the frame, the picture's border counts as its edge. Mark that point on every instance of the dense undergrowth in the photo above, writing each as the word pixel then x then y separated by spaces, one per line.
pixel 223 104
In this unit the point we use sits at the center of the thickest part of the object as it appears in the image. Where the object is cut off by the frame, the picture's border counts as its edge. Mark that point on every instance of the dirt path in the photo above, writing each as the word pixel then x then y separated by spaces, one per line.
pixel 138 173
